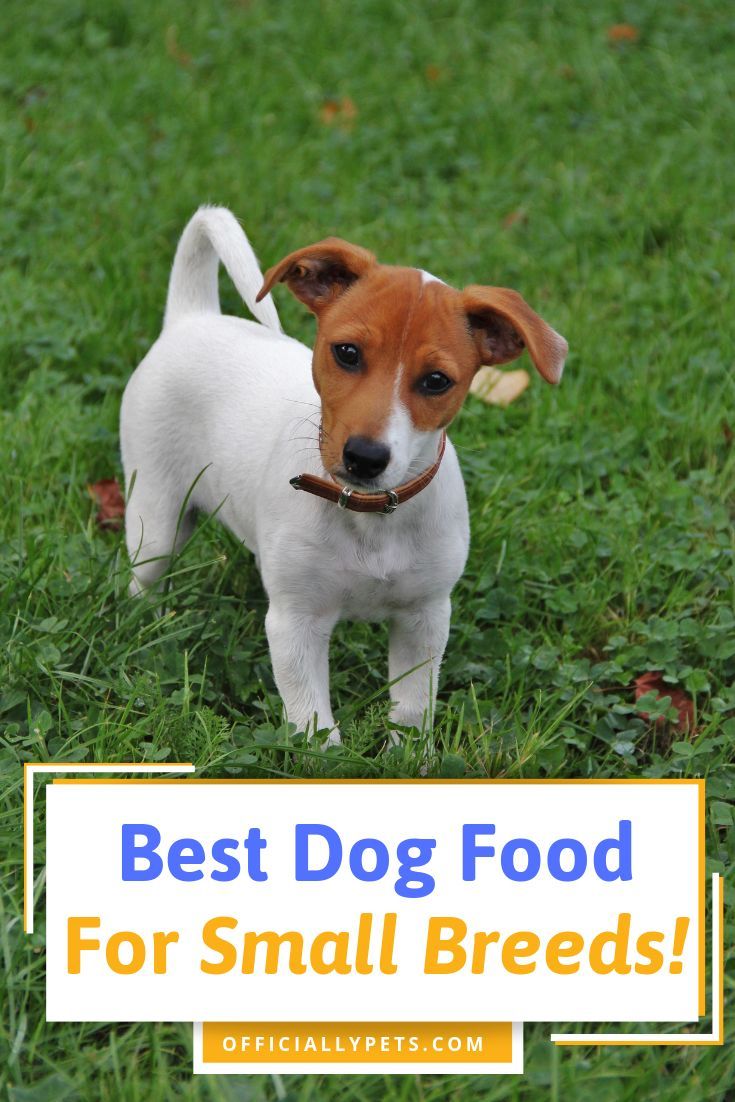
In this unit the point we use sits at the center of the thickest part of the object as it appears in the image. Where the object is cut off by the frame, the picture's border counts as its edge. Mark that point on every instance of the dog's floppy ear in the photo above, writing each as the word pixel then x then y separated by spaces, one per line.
pixel 319 273
pixel 502 324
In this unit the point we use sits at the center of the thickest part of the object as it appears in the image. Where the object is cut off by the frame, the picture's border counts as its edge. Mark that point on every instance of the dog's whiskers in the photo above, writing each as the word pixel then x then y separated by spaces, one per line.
pixel 300 402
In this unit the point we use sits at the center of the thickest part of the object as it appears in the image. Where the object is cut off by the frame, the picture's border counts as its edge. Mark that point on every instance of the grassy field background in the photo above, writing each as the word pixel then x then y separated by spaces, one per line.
pixel 521 144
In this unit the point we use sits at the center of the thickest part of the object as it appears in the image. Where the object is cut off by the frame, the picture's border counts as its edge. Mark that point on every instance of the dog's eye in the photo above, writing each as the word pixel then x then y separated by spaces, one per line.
pixel 436 382
pixel 347 356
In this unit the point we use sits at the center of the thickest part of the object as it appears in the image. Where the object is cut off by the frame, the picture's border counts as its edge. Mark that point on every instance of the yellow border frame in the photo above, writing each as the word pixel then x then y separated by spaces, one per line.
pixel 717 1036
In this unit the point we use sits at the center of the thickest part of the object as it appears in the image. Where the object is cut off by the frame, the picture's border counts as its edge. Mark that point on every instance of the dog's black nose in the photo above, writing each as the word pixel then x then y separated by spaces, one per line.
pixel 365 458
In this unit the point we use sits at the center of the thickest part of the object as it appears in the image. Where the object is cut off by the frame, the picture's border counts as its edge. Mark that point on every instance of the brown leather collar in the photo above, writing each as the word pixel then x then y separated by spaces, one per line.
pixel 382 501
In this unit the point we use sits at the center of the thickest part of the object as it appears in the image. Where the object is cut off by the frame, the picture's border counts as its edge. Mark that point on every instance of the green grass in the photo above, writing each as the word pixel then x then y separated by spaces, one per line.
pixel 601 511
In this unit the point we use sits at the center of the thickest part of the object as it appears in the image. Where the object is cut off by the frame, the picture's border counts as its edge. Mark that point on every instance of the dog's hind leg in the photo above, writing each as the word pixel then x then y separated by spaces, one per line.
pixel 156 527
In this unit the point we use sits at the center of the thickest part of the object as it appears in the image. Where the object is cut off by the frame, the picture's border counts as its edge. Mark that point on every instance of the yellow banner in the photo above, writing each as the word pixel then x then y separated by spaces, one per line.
pixel 357 1042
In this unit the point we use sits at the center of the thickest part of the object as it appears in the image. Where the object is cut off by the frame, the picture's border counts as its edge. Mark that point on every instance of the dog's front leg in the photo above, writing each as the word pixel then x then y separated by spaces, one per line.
pixel 418 637
pixel 299 648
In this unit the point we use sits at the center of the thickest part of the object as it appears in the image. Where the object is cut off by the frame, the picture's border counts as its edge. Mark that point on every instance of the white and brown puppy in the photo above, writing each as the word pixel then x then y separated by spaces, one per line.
pixel 236 409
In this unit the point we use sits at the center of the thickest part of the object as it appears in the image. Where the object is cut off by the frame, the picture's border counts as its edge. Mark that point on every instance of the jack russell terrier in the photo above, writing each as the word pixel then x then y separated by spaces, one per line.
pixel 223 414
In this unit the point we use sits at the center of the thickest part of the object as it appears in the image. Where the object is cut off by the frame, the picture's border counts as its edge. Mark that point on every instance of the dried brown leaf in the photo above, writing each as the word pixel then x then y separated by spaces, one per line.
pixel 514 218
pixel 111 504
pixel 342 112
pixel 653 681
pixel 499 388
pixel 622 32
pixel 329 111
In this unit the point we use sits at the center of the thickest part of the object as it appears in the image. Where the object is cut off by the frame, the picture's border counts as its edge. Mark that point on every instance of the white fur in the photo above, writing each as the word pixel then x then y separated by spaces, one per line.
pixel 411 451
pixel 427 277
pixel 228 407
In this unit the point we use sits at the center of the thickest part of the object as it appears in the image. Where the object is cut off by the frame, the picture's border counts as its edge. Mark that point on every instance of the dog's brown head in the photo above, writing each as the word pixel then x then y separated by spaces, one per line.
pixel 395 353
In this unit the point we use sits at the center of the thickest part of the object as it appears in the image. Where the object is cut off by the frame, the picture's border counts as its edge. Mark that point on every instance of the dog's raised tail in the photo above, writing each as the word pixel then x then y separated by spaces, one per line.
pixel 211 236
